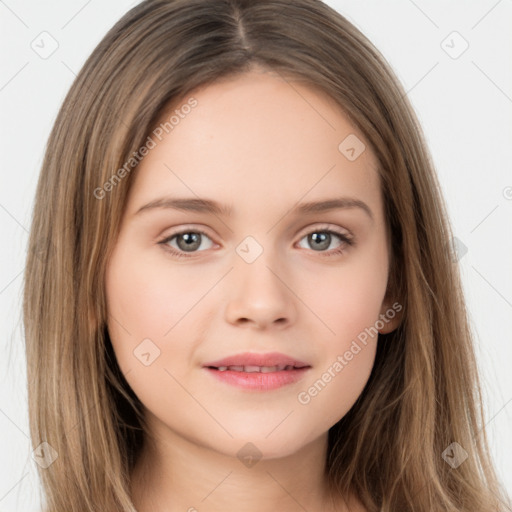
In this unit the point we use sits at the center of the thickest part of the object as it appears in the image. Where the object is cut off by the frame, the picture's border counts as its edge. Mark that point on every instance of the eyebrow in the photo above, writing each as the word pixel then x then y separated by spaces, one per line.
pixel 202 205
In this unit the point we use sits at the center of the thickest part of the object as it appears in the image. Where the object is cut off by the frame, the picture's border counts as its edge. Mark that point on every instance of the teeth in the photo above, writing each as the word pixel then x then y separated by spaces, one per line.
pixel 256 369
pixel 252 369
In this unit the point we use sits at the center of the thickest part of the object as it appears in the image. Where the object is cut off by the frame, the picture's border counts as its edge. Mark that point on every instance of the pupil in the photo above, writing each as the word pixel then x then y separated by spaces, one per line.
pixel 191 241
pixel 323 238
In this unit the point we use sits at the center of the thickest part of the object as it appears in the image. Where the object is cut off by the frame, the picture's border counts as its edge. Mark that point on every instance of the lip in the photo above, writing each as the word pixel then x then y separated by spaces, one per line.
pixel 253 359
pixel 258 381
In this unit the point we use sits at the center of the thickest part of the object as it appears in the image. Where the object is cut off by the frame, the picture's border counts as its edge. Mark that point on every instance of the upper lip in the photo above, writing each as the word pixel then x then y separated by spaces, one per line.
pixel 252 359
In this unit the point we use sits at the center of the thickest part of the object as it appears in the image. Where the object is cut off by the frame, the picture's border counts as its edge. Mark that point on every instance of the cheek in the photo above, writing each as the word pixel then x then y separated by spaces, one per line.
pixel 144 302
pixel 348 302
pixel 150 308
pixel 347 349
pixel 347 299
pixel 332 391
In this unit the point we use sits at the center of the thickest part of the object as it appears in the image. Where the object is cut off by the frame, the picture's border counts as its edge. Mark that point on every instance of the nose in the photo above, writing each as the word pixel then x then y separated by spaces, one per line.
pixel 259 295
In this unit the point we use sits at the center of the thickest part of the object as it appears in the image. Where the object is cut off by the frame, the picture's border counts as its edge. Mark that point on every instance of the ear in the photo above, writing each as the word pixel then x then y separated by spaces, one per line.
pixel 390 316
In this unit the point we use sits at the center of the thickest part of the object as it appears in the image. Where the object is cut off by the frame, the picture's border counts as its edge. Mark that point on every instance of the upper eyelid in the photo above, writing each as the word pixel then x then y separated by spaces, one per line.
pixel 325 227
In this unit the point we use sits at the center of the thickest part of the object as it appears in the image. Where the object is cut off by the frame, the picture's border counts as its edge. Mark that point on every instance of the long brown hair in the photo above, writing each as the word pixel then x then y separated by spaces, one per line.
pixel 423 393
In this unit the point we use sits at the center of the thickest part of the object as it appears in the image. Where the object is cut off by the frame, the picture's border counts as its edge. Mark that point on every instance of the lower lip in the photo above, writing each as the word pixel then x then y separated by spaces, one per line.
pixel 259 381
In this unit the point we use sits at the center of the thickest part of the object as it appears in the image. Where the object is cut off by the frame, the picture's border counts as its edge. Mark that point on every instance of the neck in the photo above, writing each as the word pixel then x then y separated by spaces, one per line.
pixel 176 474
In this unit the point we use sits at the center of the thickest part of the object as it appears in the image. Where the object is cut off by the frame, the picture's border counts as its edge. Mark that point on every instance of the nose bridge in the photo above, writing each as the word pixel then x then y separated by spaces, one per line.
pixel 257 265
pixel 258 293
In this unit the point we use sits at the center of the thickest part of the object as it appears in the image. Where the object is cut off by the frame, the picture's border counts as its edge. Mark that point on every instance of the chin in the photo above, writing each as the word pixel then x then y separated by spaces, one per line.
pixel 259 444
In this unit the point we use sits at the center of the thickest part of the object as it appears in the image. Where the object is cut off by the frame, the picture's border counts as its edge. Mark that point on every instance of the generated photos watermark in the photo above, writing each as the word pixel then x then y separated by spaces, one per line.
pixel 305 397
pixel 151 143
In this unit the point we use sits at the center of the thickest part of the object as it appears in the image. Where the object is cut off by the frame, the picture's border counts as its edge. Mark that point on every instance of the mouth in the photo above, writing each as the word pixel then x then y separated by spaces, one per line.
pixel 257 372
pixel 257 369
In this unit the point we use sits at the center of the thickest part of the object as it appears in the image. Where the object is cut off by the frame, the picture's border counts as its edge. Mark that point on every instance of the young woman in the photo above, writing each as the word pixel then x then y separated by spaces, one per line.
pixel 240 292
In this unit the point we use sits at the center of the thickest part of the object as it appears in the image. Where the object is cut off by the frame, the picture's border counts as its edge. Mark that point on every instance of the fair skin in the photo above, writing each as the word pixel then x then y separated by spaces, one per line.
pixel 260 146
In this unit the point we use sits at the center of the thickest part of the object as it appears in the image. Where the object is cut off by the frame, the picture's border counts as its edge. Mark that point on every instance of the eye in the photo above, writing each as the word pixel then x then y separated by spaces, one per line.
pixel 188 241
pixel 191 240
pixel 321 239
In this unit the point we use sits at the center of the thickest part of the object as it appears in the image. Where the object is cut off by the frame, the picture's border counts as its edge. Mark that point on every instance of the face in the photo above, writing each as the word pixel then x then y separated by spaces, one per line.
pixel 261 277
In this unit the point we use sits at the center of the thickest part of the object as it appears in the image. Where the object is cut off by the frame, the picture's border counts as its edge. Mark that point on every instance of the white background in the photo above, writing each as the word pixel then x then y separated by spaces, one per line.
pixel 464 105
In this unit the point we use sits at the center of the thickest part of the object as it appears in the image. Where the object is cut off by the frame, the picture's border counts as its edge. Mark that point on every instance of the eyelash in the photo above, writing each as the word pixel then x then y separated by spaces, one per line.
pixel 346 239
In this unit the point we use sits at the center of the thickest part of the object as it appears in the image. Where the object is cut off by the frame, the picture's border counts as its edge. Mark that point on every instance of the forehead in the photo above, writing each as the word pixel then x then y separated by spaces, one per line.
pixel 254 140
